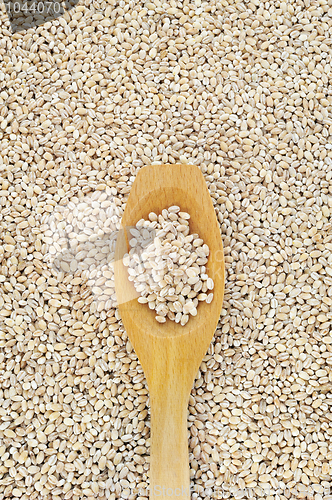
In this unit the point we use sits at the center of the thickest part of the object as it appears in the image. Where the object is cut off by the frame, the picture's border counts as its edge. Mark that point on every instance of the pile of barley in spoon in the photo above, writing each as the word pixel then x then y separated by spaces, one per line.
pixel 169 272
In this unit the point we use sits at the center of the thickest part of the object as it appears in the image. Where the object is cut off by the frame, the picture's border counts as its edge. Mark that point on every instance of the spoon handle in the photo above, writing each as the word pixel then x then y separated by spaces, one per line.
pixel 169 467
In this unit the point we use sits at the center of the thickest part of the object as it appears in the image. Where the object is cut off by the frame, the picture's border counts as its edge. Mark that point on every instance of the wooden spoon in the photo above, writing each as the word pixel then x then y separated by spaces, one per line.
pixel 169 353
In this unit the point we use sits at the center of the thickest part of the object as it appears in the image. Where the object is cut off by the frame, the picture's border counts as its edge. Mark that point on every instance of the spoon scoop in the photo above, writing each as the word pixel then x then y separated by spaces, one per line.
pixel 170 354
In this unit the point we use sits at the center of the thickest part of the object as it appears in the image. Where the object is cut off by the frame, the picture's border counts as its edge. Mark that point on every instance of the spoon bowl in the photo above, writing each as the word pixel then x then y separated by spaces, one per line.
pixel 170 354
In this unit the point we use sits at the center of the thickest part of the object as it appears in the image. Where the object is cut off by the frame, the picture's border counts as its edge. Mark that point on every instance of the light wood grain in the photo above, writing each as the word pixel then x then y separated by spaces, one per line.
pixel 169 353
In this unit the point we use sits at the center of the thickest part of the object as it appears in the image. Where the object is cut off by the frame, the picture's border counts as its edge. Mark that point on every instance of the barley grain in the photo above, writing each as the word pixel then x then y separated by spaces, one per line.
pixel 159 268
pixel 242 90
